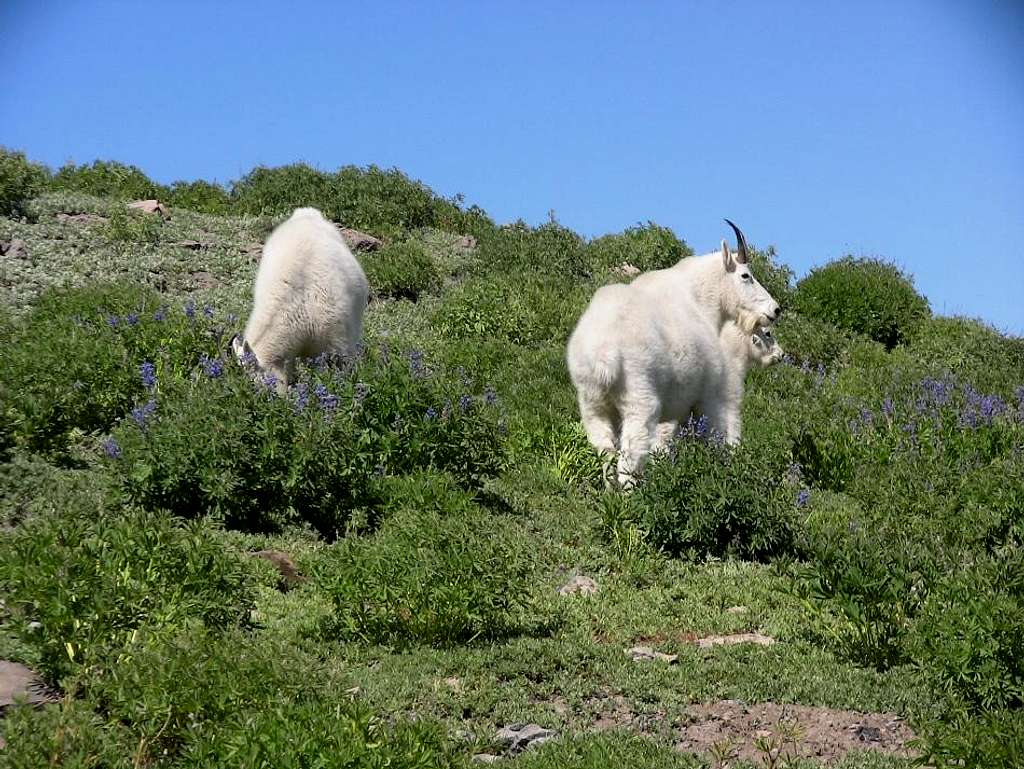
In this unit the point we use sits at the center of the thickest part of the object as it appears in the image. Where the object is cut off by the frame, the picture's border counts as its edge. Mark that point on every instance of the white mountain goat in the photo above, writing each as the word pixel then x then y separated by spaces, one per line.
pixel 309 298
pixel 646 353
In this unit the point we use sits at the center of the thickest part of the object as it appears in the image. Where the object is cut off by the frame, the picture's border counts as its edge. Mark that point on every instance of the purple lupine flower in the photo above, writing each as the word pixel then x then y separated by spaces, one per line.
pixel 1019 393
pixel 301 397
pixel 190 309
pixel 111 448
pixel 359 392
pixel 213 367
pixel 490 397
pixel 132 319
pixel 160 314
pixel 141 414
pixel 794 472
pixel 378 469
pixel 430 414
pixel 887 407
pixel 701 426
pixel 147 372
pixel 113 321
pixel 502 427
pixel 208 310
pixel 320 361
pixel 232 319
pixel 465 402
pixel 416 367
pixel 270 381
pixel 248 359
pixel 803 497
pixel 866 417
pixel 446 410
pixel 328 400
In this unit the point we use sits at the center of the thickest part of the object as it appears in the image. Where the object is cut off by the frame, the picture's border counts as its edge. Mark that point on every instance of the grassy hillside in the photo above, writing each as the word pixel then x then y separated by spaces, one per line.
pixel 435 494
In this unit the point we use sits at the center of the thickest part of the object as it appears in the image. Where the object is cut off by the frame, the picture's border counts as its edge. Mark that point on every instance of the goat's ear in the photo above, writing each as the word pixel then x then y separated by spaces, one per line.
pixel 727 260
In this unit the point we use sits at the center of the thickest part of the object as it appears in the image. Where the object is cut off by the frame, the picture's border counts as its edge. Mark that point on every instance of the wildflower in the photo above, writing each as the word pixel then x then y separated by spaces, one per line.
pixel 359 392
pixel 160 314
pixel 141 414
pixel 111 448
pixel 132 319
pixel 213 367
pixel 430 414
pixel 446 410
pixel 378 469
pixel 113 321
pixel 270 381
pixel 416 367
pixel 301 397
pixel 190 309
pixel 208 310
pixel 147 372
pixel 232 319
pixel 701 426
pixel 803 497
pixel 490 397
pixel 887 407
pixel 248 358
pixel 328 400
pixel 465 402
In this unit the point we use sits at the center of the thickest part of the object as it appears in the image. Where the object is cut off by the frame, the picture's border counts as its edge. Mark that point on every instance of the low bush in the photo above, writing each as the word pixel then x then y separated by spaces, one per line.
pixel 401 271
pixel 127 227
pixel 704 498
pixel 866 296
pixel 646 247
pixel 439 573
pixel 199 196
pixel 20 181
pixel 75 362
pixel 530 309
pixel 518 248
pixel 92 576
pixel 108 179
pixel 217 443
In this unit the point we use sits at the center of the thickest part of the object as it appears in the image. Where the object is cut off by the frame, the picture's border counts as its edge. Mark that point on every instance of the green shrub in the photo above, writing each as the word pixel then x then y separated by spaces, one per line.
pixel 776 278
pixel 217 443
pixel 128 227
pixel 972 352
pixel 371 198
pixel 530 309
pixel 807 339
pixel 108 179
pixel 92 576
pixel 550 249
pixel 73 363
pixel 646 247
pixel 440 573
pixel 401 270
pixel 199 196
pixel 70 735
pixel 865 296
pixel 705 498
pixel 992 740
pixel 20 181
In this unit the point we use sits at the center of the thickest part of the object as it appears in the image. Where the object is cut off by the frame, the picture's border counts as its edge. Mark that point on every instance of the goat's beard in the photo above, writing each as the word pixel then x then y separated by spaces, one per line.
pixel 750 321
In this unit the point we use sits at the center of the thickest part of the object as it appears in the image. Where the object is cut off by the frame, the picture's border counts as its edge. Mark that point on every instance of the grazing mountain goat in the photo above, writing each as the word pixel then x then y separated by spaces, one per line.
pixel 645 353
pixel 309 297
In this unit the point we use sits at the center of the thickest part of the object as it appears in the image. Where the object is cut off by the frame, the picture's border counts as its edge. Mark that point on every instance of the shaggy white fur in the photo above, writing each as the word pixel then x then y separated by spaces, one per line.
pixel 646 353
pixel 309 297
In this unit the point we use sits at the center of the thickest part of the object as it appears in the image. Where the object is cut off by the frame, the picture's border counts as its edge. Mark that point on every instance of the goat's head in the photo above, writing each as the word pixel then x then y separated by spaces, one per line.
pixel 743 298
pixel 765 349
pixel 244 353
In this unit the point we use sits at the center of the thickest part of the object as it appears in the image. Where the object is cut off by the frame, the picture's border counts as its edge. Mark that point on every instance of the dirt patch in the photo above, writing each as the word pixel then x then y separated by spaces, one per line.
pixel 80 218
pixel 734 638
pixel 18 683
pixel 749 731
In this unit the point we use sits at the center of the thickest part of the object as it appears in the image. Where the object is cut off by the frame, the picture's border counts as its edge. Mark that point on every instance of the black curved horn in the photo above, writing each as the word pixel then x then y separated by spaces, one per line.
pixel 741 244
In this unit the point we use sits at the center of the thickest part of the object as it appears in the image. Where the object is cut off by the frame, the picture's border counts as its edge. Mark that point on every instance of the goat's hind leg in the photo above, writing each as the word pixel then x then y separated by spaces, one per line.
pixel 601 422
pixel 639 425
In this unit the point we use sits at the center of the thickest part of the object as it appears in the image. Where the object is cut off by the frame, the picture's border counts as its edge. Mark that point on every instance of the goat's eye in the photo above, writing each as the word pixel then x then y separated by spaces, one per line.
pixel 746 276
pixel 767 334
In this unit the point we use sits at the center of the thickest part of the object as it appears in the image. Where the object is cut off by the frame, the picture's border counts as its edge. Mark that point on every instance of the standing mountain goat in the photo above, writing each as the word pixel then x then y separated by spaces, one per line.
pixel 309 297
pixel 646 353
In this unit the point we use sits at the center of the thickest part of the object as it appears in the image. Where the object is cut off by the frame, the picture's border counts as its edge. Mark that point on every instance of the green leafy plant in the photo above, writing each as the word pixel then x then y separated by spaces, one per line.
pixel 401 270
pixel 20 181
pixel 866 296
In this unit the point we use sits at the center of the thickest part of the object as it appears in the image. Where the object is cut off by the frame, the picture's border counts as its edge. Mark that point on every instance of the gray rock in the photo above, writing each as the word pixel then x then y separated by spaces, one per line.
pixel 645 653
pixel 14 249
pixel 485 758
pixel 151 207
pixel 519 737
pixel 578 585
pixel 19 683
pixel 360 241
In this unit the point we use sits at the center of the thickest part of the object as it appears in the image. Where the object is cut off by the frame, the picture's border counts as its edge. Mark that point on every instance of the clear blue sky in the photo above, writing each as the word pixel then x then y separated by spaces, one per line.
pixel 891 129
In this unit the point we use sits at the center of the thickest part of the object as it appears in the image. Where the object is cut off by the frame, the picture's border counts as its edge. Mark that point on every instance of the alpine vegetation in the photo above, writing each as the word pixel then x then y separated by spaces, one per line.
pixel 309 298
pixel 643 355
